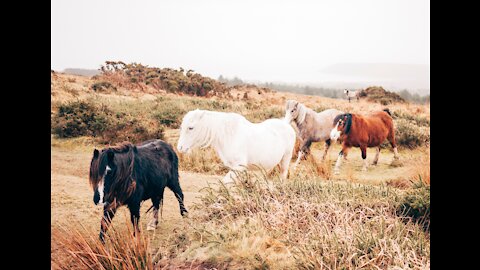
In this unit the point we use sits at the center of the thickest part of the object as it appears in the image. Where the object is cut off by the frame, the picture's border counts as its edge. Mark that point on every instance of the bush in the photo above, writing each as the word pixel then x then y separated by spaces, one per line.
pixel 169 115
pixel 80 118
pixel 410 135
pixel 103 87
pixel 380 95
pixel 419 121
pixel 416 204
pixel 84 118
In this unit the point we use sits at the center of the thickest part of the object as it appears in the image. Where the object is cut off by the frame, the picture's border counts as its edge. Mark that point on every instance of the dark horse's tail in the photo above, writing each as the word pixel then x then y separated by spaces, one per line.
pixel 387 111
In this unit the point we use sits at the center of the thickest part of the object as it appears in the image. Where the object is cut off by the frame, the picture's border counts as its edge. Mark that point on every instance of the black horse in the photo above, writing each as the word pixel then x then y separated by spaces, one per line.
pixel 128 174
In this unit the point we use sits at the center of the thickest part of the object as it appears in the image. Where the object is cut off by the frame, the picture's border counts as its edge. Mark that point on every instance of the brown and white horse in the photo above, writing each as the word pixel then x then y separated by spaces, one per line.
pixel 363 131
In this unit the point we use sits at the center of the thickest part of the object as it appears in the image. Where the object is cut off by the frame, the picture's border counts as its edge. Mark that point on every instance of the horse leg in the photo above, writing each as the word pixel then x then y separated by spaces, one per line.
pixel 108 215
pixel 284 163
pixel 304 151
pixel 364 157
pixel 177 190
pixel 327 145
pixel 300 155
pixel 135 216
pixel 375 161
pixel 393 143
pixel 345 153
pixel 152 225
pixel 339 160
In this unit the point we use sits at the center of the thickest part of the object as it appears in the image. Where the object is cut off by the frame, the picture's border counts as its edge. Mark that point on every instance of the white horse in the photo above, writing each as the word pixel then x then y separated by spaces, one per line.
pixel 352 94
pixel 239 143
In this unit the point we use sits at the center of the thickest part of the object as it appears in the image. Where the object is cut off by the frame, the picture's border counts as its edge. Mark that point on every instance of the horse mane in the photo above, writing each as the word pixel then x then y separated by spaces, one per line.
pixel 213 128
pixel 123 182
pixel 302 112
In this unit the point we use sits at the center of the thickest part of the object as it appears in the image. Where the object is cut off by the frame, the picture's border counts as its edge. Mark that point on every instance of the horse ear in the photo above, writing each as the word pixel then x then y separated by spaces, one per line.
pixel 202 113
pixel 110 156
pixel 95 153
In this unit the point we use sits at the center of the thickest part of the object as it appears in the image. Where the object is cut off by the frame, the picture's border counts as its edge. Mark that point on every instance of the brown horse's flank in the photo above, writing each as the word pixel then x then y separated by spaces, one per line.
pixel 365 131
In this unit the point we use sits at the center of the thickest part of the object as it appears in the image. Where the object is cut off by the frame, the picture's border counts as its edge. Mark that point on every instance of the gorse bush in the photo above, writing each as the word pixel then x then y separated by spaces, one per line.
pixel 418 120
pixel 87 118
pixel 103 86
pixel 416 204
pixel 409 135
pixel 380 95
pixel 80 118
pixel 135 75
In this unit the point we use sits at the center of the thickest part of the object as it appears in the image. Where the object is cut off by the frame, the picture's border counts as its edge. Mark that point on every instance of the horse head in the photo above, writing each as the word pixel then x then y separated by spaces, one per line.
pixel 111 174
pixel 343 123
pixel 294 111
pixel 193 131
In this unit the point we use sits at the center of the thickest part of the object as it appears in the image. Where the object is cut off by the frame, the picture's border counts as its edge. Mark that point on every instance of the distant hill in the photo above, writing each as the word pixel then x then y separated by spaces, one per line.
pixel 82 71
pixel 394 76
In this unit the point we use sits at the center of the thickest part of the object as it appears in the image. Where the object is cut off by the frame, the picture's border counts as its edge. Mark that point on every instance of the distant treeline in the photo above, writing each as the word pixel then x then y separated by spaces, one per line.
pixel 319 91
pixel 82 71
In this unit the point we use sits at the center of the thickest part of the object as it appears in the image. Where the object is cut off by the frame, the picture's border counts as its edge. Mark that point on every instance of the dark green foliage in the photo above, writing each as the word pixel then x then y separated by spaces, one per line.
pixel 416 204
pixel 409 135
pixel 80 118
pixel 380 95
pixel 84 118
pixel 135 75
pixel 419 121
pixel 103 86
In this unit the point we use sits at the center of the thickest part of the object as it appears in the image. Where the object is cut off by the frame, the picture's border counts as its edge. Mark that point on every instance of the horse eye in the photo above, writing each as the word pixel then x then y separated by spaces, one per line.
pixel 293 110
pixel 190 128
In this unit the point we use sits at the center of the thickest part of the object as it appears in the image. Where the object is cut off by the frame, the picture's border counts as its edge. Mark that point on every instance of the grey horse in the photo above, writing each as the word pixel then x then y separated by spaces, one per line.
pixel 310 126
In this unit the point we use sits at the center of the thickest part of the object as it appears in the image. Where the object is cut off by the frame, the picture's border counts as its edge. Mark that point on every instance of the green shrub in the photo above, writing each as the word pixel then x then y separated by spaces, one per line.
pixel 410 135
pixel 85 118
pixel 416 205
pixel 419 120
pixel 103 87
pixel 80 118
pixel 169 115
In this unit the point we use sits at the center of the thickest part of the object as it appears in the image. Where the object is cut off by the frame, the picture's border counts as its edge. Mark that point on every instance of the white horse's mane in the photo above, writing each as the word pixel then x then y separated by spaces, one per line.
pixel 216 127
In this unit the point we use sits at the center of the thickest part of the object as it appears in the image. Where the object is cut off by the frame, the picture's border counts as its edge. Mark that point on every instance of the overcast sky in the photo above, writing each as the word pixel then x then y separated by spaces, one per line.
pixel 288 41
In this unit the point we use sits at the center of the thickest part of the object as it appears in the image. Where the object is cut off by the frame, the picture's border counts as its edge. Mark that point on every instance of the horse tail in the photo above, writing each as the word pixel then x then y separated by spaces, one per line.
pixel 387 111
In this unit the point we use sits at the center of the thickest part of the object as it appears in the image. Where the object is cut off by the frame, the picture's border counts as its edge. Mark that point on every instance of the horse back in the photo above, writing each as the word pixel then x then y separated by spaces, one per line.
pixel 156 160
pixel 371 130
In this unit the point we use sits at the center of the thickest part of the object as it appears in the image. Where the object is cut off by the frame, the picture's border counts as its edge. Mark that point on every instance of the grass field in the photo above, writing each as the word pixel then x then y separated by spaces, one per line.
pixel 314 220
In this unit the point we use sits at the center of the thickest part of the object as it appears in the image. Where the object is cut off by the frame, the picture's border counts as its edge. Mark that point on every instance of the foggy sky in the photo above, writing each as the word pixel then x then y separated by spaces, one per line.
pixel 280 41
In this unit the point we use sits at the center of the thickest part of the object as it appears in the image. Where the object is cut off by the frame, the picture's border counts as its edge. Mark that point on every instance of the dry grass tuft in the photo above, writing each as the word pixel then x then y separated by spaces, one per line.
pixel 85 251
